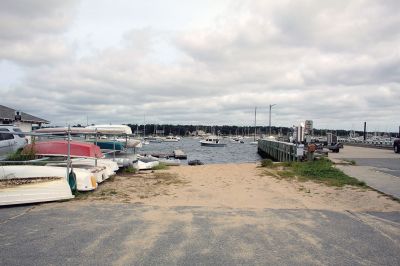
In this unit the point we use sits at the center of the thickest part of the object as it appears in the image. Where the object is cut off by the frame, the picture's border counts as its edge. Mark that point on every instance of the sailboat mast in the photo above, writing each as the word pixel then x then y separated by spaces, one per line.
pixel 255 122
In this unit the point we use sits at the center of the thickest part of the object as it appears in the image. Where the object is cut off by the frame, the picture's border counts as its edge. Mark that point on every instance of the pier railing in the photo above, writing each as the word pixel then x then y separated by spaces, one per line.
pixel 277 150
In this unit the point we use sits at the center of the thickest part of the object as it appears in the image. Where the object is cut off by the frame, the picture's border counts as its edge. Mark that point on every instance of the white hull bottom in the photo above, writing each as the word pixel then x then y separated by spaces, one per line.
pixel 52 190
pixel 146 166
pixel 85 180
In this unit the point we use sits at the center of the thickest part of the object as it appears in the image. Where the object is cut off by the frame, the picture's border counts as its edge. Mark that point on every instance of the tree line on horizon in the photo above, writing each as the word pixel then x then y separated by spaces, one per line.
pixel 186 130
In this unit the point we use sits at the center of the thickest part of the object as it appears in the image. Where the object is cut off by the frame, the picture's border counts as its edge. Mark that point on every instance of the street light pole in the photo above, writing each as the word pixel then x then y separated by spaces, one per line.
pixel 270 108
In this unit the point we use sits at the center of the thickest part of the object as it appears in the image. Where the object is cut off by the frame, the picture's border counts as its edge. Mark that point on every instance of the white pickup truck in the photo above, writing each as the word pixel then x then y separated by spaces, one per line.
pixel 11 139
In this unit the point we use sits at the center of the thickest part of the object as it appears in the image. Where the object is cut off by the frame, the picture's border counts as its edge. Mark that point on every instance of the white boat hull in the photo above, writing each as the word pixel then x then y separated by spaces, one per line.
pixel 85 180
pixel 53 190
pixel 146 165
pixel 35 185
pixel 212 144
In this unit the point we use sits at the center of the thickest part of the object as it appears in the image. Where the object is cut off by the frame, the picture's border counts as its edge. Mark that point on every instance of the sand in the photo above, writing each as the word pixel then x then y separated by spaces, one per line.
pixel 234 186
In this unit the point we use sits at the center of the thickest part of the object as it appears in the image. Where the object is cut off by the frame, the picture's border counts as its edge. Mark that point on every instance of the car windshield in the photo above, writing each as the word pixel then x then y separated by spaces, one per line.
pixel 19 130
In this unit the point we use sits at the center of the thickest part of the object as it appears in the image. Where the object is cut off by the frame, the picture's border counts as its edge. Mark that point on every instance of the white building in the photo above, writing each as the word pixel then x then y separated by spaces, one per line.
pixel 23 120
pixel 308 127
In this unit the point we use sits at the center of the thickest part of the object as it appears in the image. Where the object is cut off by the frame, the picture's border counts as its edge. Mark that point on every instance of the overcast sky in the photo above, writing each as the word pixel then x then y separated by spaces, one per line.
pixel 203 62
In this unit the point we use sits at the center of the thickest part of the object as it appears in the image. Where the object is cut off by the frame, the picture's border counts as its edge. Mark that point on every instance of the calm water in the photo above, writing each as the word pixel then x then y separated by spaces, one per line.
pixel 233 152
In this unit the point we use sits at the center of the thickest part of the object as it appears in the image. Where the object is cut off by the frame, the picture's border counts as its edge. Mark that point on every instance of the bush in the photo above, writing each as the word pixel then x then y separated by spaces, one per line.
pixel 129 170
pixel 20 155
pixel 160 166
pixel 267 163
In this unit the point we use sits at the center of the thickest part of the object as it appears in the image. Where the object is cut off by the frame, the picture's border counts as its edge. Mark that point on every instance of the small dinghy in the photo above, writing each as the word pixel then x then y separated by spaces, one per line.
pixel 85 180
pixel 140 165
pixel 60 148
pixel 104 169
pixel 21 184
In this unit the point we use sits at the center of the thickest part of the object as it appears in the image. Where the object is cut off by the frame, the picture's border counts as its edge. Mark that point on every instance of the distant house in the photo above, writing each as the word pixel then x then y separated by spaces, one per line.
pixel 23 120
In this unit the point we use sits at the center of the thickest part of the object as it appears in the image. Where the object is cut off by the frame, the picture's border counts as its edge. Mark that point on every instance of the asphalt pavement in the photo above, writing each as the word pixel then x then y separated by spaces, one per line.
pixel 133 234
pixel 379 168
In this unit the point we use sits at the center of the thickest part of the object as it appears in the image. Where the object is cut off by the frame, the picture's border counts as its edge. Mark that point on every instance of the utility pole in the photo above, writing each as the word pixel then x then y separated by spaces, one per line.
pixel 255 122
pixel 270 108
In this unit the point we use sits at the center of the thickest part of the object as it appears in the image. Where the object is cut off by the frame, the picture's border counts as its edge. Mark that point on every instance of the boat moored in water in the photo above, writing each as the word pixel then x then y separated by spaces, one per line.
pixel 212 141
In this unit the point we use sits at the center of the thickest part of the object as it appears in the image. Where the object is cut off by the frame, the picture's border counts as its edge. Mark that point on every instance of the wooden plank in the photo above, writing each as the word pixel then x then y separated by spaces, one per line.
pixel 179 154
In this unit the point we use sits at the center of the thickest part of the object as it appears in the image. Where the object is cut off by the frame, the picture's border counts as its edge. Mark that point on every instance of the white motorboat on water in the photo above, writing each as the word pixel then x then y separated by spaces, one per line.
pixel 155 139
pixel 171 139
pixel 212 141
pixel 237 140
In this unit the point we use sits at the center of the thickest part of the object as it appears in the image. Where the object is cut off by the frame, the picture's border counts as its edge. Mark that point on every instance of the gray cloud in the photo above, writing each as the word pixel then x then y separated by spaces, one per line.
pixel 30 31
pixel 336 62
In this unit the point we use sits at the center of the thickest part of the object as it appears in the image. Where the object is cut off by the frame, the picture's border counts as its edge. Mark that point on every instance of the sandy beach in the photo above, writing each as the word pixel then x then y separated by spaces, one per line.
pixel 243 185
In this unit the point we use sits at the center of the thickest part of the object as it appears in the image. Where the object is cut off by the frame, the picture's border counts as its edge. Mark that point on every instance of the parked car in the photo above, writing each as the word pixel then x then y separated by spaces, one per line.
pixel 335 147
pixel 11 139
pixel 396 145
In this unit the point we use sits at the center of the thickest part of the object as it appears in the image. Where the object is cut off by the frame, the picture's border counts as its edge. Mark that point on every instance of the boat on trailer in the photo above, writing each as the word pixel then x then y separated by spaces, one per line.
pixel 171 139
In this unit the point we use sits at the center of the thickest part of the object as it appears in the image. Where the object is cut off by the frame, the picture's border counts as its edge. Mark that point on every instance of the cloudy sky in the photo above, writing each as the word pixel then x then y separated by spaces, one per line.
pixel 203 62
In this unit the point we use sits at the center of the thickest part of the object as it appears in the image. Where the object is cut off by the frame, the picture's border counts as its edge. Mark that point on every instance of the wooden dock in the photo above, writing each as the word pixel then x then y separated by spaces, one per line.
pixel 179 154
pixel 277 150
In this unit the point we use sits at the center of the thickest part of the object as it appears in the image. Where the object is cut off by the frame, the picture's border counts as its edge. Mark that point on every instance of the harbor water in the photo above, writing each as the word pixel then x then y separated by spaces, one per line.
pixel 231 153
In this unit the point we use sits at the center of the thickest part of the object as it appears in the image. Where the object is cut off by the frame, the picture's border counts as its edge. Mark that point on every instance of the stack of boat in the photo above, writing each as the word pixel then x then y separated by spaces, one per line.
pixel 87 168
pixel 90 161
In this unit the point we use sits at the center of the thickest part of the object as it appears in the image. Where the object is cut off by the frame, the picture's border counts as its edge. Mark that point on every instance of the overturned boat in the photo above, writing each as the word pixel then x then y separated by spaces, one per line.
pixel 24 184
pixel 60 148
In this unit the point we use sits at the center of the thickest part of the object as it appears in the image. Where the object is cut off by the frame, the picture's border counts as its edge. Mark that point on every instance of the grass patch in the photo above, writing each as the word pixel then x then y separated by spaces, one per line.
pixel 267 163
pixel 80 195
pixel 287 174
pixel 20 155
pixel 320 171
pixel 160 166
pixel 167 179
pixel 129 170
